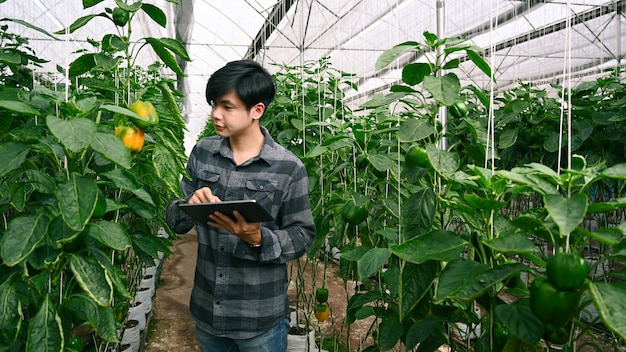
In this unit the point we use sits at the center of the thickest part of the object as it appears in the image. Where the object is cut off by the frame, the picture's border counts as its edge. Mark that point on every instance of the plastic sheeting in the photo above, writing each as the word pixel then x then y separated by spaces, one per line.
pixel 528 41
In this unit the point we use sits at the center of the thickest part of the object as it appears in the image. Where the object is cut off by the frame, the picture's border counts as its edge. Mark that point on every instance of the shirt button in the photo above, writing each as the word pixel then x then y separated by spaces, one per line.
pixel 221 275
pixel 222 249
pixel 261 187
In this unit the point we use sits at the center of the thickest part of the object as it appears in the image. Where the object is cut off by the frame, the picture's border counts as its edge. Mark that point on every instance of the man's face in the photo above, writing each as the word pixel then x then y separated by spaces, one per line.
pixel 230 116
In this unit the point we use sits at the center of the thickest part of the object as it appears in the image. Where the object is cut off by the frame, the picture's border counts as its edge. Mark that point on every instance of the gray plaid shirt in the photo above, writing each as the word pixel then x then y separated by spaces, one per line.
pixel 240 292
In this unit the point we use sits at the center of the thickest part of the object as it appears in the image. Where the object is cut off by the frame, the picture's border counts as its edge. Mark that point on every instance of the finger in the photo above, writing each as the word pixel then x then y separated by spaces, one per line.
pixel 203 195
pixel 240 219
pixel 222 219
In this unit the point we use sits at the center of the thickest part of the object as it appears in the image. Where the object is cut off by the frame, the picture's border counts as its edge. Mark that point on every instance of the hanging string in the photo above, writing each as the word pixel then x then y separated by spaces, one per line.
pixel 398 185
pixel 565 115
pixel 491 137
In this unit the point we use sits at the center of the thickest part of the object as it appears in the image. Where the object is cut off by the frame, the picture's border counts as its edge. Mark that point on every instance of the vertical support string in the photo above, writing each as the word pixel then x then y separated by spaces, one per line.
pixel 398 121
pixel 441 33
pixel 490 156
pixel 565 115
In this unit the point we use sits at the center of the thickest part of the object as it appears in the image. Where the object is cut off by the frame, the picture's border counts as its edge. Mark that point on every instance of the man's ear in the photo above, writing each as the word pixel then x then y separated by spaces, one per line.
pixel 257 111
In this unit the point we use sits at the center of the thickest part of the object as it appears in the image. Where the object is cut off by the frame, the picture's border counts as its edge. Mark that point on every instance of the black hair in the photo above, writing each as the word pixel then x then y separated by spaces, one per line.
pixel 250 81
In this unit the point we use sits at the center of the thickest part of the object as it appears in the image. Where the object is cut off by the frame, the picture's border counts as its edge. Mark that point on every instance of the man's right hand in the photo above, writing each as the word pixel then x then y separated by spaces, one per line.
pixel 203 195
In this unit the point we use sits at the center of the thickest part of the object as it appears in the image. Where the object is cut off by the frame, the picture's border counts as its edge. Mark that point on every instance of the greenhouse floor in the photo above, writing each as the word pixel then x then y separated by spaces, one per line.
pixel 171 328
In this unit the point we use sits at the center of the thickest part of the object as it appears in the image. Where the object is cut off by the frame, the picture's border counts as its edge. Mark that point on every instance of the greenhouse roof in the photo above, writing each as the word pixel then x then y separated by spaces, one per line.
pixel 538 41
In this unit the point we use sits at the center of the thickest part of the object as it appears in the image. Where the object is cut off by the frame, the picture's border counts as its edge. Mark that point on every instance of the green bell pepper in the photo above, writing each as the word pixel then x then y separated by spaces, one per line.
pixel 553 306
pixel 567 271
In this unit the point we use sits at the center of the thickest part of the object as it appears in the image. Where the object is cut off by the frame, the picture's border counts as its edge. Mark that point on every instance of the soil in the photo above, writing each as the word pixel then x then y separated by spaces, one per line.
pixel 171 328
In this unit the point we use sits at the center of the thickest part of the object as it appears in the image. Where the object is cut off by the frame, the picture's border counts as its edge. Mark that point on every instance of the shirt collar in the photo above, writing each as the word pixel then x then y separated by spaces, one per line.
pixel 269 151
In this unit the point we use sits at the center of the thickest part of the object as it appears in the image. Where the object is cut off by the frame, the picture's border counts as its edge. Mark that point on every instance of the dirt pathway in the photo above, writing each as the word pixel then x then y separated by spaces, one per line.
pixel 171 328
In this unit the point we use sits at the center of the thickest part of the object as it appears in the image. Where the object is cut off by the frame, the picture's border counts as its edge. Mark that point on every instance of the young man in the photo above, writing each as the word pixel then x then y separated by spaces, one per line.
pixel 239 300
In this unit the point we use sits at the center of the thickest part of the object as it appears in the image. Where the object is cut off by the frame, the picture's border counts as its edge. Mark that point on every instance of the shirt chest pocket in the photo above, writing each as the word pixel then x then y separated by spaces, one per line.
pixel 210 179
pixel 263 191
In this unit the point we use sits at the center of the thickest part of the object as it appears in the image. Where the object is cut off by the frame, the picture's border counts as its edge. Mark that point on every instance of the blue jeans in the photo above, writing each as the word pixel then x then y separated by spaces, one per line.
pixel 273 340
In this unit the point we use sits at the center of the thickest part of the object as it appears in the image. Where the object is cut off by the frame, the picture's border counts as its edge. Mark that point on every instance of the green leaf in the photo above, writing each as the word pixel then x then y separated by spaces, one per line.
pixel 567 213
pixel 445 89
pixel 610 301
pixel 354 254
pixel 148 246
pixel 127 180
pixel 11 58
pixel 110 147
pixel 155 13
pixel 175 47
pixel 389 55
pixel 77 200
pixel 414 73
pixel 82 64
pixel 380 162
pixel 10 313
pixel 431 38
pixel 416 281
pixel 418 213
pixel 452 64
pixel 606 235
pixel 109 233
pixel 166 56
pixel 445 162
pixel 379 100
pixel 102 319
pixel 317 150
pixel 480 63
pixel 23 234
pixel 617 171
pixel 536 183
pixel 477 282
pixel 372 261
pixel 601 207
pixel 456 275
pixel 420 331
pixel 166 169
pixel 439 245
pixel 92 279
pixel 89 3
pixel 80 22
pixel 104 62
pixel 512 243
pixel 45 330
pixel 75 134
pixel 413 130
pixel 113 43
pixel 18 107
pixel 12 156
pixel 507 138
pixel 520 320
pixel 114 273
pixel 389 331
pixel 31 26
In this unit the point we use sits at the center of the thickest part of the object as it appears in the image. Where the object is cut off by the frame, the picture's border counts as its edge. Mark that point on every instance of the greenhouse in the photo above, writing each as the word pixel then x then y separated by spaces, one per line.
pixel 456 173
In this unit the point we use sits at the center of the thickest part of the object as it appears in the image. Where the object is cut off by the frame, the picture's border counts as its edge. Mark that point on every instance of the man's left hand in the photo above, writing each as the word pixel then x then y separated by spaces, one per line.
pixel 247 231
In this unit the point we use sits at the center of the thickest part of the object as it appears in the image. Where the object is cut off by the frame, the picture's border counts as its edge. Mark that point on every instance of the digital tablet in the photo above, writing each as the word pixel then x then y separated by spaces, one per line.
pixel 249 209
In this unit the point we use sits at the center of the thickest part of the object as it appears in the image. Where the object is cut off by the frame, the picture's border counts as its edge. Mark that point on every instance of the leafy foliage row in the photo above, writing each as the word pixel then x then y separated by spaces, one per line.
pixel 60 273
